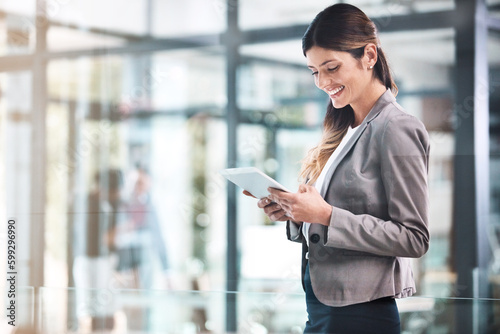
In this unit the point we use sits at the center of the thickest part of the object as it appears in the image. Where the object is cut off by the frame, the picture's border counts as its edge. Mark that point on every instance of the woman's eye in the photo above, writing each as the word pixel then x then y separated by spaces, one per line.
pixel 333 69
pixel 314 73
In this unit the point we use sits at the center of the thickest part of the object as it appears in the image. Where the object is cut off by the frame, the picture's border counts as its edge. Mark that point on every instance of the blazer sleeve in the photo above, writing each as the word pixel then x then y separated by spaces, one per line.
pixel 294 231
pixel 404 153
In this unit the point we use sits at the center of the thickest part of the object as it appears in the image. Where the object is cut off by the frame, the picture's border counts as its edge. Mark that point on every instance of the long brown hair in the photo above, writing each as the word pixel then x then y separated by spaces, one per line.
pixel 340 27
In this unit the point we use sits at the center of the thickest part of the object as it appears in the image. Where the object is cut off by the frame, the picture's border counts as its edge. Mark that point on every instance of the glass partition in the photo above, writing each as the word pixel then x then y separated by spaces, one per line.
pixel 17 308
pixel 15 167
pixel 136 132
pixel 179 312
pixel 135 146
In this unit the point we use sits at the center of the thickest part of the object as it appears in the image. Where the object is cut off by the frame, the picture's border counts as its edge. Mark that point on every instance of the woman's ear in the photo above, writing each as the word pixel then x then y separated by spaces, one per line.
pixel 370 56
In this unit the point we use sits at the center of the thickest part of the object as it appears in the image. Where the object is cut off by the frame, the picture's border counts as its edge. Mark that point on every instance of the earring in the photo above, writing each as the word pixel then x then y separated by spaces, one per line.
pixel 371 67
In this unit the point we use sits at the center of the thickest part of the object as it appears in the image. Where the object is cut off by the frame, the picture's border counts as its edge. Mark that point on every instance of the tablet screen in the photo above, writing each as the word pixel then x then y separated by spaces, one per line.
pixel 252 180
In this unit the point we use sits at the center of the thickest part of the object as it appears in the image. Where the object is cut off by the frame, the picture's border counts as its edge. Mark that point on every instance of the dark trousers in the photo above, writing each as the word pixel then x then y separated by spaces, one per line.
pixel 376 317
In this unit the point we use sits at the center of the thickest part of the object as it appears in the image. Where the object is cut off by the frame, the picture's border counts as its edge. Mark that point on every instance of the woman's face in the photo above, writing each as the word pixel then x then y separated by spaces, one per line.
pixel 340 75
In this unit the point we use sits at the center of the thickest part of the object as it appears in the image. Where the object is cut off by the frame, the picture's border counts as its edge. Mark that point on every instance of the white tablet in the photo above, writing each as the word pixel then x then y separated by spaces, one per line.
pixel 252 180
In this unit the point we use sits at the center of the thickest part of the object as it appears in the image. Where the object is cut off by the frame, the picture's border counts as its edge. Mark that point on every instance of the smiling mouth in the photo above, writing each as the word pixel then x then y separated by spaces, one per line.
pixel 335 91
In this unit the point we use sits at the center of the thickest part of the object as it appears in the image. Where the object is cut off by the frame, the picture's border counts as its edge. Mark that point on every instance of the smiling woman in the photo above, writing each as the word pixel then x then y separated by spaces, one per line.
pixel 347 80
pixel 363 209
pixel 349 31
pixel 343 36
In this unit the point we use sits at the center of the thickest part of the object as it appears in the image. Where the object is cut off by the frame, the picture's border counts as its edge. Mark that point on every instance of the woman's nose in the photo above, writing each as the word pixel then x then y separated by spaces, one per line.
pixel 322 81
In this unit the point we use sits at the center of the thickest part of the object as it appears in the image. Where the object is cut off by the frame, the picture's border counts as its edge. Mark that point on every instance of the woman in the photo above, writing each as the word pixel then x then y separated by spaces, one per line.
pixel 362 211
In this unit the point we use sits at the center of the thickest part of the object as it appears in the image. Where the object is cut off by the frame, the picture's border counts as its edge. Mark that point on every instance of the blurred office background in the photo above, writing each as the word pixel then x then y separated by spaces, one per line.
pixel 116 117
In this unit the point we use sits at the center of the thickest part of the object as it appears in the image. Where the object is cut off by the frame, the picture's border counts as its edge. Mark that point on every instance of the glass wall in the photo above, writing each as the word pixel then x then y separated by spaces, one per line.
pixel 134 146
pixel 15 178
pixel 152 121
pixel 136 130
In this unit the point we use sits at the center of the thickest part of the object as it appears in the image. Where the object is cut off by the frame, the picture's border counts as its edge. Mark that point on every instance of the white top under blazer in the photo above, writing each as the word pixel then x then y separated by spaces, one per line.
pixel 321 178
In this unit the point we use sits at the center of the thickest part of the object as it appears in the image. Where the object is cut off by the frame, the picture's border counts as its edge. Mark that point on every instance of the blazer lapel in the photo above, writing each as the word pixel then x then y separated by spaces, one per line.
pixel 342 154
pixel 385 99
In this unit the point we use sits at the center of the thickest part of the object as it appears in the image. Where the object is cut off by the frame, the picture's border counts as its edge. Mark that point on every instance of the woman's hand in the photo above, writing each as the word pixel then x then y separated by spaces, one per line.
pixel 306 205
pixel 271 209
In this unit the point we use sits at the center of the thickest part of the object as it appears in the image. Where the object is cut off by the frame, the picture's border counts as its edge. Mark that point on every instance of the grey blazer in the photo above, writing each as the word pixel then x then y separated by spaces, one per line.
pixel 378 190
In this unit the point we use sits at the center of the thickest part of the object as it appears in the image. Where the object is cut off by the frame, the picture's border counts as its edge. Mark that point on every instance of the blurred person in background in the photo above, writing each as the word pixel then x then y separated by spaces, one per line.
pixel 139 238
pixel 93 270
pixel 140 247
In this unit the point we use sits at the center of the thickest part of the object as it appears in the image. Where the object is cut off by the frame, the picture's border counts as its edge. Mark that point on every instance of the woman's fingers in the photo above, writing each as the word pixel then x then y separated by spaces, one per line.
pixel 278 215
pixel 248 194
pixel 304 205
pixel 262 203
pixel 280 196
pixel 273 210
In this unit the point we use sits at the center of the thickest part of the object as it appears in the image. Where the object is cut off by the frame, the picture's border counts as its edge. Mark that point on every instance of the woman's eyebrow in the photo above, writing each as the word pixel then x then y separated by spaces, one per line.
pixel 322 64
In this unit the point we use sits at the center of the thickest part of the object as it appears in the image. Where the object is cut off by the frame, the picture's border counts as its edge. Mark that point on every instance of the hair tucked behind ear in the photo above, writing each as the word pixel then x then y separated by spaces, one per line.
pixel 341 27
